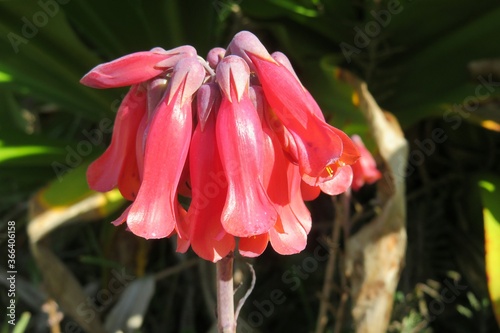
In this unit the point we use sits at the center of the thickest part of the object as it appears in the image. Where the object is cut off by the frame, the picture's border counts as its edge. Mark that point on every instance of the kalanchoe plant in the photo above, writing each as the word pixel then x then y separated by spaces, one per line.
pixel 237 133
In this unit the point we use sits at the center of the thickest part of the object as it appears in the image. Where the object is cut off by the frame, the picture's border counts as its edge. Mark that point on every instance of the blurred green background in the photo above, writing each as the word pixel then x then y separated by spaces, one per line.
pixel 434 64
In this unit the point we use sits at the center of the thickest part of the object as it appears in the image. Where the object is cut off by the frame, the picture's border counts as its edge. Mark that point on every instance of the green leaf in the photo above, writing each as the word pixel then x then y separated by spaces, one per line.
pixel 47 60
pixel 129 312
pixel 490 193
pixel 427 74
pixel 22 323
pixel 71 189
pixel 34 153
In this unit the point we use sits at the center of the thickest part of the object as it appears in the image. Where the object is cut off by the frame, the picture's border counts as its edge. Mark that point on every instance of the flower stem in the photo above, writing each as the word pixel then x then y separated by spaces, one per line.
pixel 341 220
pixel 225 299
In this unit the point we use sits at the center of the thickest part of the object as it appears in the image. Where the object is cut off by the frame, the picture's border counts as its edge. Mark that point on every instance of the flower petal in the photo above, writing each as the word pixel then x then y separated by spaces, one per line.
pixel 275 164
pixel 122 218
pixel 129 180
pixel 156 91
pixel 283 60
pixel 184 187
pixel 125 71
pixel 245 42
pixel 284 92
pixel 233 75
pixel 117 165
pixel 253 246
pixel 154 212
pixel 187 77
pixel 288 236
pixel 318 146
pixel 365 169
pixel 350 152
pixel 209 187
pixel 340 182
pixel 297 204
pixel 173 56
pixel 215 55
pixel 248 210
pixel 284 136
pixel 317 143
pixel 309 192
pixel 140 144
pixel 181 227
pixel 207 99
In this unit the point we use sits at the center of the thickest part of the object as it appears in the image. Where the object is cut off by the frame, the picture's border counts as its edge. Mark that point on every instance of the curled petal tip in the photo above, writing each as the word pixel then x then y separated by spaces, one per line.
pixel 188 76
pixel 245 43
pixel 207 98
pixel 136 67
pixel 258 100
pixel 215 55
pixel 158 49
pixel 125 71
pixel 340 181
pixel 173 56
pixel 284 61
pixel 233 75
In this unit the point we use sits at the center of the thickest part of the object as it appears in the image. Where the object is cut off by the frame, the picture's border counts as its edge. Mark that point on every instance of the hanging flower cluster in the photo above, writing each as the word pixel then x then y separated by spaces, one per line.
pixel 237 133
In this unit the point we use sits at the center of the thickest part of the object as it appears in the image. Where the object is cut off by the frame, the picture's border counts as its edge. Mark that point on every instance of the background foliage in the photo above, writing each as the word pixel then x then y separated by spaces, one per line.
pixel 434 64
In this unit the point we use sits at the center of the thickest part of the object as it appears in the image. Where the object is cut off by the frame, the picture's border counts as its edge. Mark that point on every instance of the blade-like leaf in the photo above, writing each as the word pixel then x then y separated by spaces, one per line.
pixel 47 60
pixel 128 314
pixel 490 186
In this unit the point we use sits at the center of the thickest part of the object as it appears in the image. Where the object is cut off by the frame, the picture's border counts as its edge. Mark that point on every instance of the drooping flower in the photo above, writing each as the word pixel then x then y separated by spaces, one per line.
pixel 238 134
pixel 118 167
pixel 136 67
pixel 365 168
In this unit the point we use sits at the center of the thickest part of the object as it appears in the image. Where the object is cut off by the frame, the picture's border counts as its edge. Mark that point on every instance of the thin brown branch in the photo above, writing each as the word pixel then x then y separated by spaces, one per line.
pixel 342 216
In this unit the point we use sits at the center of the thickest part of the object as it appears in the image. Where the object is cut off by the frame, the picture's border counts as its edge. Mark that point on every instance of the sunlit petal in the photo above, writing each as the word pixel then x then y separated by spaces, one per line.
pixel 253 246
pixel 117 165
pixel 209 187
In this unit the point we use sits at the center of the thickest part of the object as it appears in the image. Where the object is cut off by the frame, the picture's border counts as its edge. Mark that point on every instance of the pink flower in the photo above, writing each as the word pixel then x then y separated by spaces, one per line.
pixel 365 169
pixel 117 167
pixel 136 67
pixel 238 134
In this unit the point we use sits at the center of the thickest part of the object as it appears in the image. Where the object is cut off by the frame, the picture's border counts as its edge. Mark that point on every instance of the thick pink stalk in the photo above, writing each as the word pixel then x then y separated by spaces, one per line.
pixel 225 299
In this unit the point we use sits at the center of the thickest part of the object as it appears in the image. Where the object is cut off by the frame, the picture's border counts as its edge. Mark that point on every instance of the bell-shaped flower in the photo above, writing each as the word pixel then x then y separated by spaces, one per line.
pixel 117 167
pixel 282 181
pixel 365 169
pixel 289 233
pixel 209 185
pixel 154 212
pixel 248 210
pixel 248 149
